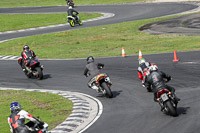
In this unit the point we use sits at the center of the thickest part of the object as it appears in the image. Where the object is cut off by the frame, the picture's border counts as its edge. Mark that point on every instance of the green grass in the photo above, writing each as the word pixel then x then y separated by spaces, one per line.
pixel 28 3
pixel 102 41
pixel 23 21
pixel 51 108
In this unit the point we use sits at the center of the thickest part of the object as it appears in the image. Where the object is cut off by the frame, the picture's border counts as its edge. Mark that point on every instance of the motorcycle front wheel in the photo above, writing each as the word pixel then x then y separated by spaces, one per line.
pixel 40 73
pixel 71 22
pixel 107 89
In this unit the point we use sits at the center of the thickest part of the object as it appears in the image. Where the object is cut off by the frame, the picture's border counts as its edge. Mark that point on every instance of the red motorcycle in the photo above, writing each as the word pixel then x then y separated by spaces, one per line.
pixel 33 69
pixel 167 101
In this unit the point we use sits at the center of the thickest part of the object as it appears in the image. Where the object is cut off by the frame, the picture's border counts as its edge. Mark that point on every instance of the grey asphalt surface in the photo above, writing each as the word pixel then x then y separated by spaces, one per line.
pixel 186 25
pixel 132 109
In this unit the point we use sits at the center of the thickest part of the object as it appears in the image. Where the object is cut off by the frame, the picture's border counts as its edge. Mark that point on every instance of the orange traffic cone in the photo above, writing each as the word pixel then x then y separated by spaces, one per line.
pixel 123 52
pixel 175 57
pixel 140 54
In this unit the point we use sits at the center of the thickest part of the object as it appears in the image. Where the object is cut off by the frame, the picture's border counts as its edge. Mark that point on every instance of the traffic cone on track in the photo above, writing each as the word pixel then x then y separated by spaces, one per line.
pixel 123 53
pixel 140 54
pixel 175 57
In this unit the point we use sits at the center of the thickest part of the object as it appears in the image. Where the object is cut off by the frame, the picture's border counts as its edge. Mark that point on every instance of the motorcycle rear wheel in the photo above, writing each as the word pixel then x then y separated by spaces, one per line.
pixel 172 110
pixel 107 89
pixel 80 22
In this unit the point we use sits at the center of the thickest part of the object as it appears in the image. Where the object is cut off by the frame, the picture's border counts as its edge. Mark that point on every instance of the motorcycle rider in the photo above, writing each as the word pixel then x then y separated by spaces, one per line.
pixel 17 118
pixel 69 2
pixel 143 70
pixel 157 80
pixel 92 69
pixel 24 60
pixel 71 12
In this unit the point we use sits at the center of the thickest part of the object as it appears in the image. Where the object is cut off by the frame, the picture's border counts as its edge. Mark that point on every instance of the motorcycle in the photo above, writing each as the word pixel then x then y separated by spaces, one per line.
pixel 34 69
pixel 103 82
pixel 73 21
pixel 167 101
pixel 37 128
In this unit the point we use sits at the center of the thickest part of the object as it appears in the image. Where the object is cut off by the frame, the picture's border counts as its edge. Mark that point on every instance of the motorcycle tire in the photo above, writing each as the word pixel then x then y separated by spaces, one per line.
pixel 71 22
pixel 172 110
pixel 28 75
pixel 40 73
pixel 80 22
pixel 107 89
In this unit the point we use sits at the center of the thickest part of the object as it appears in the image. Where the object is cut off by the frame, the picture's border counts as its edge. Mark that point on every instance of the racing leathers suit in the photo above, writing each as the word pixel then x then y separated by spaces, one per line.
pixel 143 70
pixel 16 121
pixel 157 80
pixel 71 12
pixel 25 58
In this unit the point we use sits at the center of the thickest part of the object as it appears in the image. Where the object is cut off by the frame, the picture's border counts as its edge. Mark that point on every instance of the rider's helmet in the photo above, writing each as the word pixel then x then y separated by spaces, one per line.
pixel 142 61
pixel 70 7
pixel 153 68
pixel 26 48
pixel 15 107
pixel 90 59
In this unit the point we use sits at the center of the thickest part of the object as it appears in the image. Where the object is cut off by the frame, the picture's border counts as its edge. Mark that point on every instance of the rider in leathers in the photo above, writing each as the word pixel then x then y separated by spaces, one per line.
pixel 17 118
pixel 71 12
pixel 143 69
pixel 92 69
pixel 25 57
pixel 156 79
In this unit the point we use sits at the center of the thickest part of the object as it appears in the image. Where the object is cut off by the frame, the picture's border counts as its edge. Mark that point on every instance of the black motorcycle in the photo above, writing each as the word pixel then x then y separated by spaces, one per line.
pixel 167 101
pixel 33 69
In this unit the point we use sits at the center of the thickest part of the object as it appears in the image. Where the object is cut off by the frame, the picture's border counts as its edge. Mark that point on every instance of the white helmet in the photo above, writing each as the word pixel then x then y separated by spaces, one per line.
pixel 153 68
pixel 70 7
pixel 142 61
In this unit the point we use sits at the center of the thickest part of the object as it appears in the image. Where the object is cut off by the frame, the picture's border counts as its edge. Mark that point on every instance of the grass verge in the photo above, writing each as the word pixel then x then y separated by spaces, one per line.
pixel 51 108
pixel 23 21
pixel 102 41
pixel 25 3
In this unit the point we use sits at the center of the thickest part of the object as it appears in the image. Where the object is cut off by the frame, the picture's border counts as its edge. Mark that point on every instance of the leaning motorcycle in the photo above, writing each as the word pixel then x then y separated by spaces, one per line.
pixel 167 101
pixel 73 21
pixel 103 82
pixel 34 69
pixel 37 128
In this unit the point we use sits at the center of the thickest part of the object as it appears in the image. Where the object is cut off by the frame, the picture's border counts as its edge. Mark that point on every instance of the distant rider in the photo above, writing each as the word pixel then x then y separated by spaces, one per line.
pixel 72 12
pixel 158 81
pixel 69 2
pixel 143 69
pixel 25 57
pixel 17 118
pixel 92 69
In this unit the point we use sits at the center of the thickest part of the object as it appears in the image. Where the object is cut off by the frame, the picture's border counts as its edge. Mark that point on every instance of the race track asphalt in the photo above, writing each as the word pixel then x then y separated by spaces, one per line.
pixel 185 25
pixel 132 109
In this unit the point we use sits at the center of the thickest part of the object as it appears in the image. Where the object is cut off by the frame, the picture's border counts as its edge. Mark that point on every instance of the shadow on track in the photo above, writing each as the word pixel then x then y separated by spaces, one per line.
pixel 182 110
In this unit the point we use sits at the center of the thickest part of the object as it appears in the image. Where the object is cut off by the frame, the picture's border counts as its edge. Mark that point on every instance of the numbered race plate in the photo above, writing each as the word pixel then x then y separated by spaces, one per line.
pixel 164 97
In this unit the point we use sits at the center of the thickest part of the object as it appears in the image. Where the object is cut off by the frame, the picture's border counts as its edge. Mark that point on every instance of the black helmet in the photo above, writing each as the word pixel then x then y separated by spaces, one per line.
pixel 90 59
pixel 26 47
